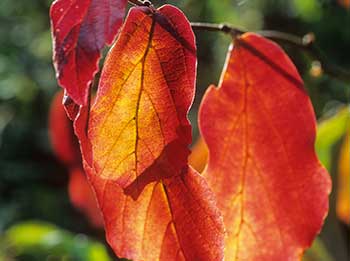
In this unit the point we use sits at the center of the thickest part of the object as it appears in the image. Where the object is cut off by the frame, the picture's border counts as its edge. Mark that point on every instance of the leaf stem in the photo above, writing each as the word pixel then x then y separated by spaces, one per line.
pixel 305 43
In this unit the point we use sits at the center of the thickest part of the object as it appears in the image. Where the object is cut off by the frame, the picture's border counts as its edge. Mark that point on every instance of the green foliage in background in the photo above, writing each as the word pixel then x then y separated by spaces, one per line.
pixel 40 241
pixel 329 132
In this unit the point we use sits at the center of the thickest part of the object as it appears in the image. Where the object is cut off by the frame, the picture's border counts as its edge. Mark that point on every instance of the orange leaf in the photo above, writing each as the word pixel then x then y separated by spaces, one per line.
pixel 145 91
pixel 135 151
pixel 343 193
pixel 344 3
pixel 199 156
pixel 259 126
pixel 82 197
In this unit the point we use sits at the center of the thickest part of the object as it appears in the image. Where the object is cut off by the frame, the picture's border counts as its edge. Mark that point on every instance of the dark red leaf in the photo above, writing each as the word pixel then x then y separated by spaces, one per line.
pixel 80 29
pixel 82 196
pixel 66 148
pixel 64 143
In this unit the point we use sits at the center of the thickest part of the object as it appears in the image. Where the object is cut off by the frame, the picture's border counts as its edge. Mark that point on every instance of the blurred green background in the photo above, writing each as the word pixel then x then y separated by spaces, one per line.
pixel 37 221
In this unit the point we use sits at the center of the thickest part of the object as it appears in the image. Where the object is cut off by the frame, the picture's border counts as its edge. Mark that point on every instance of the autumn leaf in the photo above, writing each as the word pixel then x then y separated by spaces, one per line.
pixel 135 151
pixel 82 197
pixel 139 118
pixel 63 141
pixel 344 3
pixel 259 126
pixel 343 192
pixel 172 219
pixel 80 29
pixel 72 109
pixel 199 156
pixel 66 148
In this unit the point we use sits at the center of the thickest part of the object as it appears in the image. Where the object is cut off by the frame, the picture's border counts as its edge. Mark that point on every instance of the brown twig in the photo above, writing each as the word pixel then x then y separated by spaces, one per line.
pixel 135 2
pixel 140 2
pixel 218 27
pixel 305 43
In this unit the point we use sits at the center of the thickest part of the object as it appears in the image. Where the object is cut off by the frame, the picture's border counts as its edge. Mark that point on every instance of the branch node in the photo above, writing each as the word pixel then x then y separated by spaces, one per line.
pixel 141 3
pixel 308 39
pixel 147 3
pixel 225 28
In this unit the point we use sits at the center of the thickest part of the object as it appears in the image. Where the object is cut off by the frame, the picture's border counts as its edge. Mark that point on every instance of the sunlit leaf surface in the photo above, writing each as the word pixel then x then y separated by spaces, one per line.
pixel 259 126
pixel 155 206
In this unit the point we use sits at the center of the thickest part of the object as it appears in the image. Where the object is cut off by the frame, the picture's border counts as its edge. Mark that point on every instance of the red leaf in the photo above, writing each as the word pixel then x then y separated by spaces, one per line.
pixel 80 29
pixel 259 126
pixel 71 108
pixel 64 143
pixel 173 219
pixel 66 148
pixel 154 206
pixel 82 197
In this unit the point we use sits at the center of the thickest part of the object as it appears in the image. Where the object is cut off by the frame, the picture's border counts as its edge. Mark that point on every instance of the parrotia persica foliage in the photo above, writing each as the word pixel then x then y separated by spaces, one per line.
pixel 262 144
pixel 66 147
pixel 263 194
